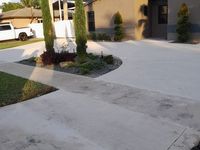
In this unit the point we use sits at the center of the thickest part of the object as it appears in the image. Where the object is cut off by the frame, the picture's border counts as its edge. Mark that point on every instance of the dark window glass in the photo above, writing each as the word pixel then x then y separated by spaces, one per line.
pixel 145 10
pixel 91 21
pixel 6 27
pixel 163 14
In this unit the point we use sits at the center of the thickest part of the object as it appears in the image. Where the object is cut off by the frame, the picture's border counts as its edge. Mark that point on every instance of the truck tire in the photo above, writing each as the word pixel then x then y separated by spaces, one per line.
pixel 23 36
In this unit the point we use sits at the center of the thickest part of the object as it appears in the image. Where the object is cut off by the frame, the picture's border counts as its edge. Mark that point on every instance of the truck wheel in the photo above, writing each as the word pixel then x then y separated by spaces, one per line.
pixel 23 36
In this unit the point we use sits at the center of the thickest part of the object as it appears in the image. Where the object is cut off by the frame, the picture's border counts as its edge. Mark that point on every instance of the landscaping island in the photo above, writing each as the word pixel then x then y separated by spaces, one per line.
pixel 93 66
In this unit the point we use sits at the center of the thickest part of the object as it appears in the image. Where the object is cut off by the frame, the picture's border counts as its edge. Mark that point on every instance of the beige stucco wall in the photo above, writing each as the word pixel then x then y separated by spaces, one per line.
pixel 131 13
pixel 135 21
pixel 23 22
pixel 194 8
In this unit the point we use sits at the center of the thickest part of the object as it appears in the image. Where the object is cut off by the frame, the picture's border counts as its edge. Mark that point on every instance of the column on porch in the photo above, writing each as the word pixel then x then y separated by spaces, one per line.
pixel 65 9
pixel 51 10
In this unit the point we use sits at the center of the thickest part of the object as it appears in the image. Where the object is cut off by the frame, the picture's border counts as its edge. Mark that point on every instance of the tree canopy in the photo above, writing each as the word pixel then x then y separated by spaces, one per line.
pixel 31 3
pixel 23 3
pixel 11 6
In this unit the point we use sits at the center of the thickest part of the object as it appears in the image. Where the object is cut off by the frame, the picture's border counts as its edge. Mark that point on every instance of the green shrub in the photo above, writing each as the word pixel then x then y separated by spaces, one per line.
pixel 118 19
pixel 92 56
pixel 92 62
pixel 99 37
pixel 108 59
pixel 92 36
pixel 106 37
pixel 84 71
pixel 119 34
pixel 183 25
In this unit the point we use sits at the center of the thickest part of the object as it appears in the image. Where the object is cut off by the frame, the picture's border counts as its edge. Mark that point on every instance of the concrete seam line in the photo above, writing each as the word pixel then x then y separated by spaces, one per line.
pixel 177 139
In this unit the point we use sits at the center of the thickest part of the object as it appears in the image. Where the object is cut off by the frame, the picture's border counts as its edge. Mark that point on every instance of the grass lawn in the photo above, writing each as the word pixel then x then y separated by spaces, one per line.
pixel 14 43
pixel 15 89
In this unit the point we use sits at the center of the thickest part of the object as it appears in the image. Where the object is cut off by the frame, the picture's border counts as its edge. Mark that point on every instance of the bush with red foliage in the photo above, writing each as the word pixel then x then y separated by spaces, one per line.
pixel 49 58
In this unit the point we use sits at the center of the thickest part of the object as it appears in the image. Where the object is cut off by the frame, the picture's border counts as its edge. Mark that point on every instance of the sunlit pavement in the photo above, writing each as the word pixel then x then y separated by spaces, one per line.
pixel 155 65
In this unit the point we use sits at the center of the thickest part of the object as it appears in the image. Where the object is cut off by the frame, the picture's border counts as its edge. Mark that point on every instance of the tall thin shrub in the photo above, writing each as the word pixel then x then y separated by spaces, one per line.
pixel 80 29
pixel 47 26
pixel 119 34
pixel 183 24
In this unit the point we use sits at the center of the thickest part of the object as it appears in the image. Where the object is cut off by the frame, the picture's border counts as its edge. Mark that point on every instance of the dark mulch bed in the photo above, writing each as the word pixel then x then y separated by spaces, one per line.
pixel 196 147
pixel 95 70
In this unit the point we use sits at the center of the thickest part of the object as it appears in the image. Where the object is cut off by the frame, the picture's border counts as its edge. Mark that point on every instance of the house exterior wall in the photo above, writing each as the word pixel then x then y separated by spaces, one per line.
pixel 23 22
pixel 134 20
pixel 194 9
pixel 19 22
pixel 136 25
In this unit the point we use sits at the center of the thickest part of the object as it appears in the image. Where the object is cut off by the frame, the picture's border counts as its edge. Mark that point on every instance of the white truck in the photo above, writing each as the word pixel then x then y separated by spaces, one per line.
pixel 8 32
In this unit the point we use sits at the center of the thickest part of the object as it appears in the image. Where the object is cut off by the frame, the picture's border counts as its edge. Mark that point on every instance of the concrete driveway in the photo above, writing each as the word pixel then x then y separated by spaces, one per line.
pixel 87 114
pixel 155 65
pixel 91 114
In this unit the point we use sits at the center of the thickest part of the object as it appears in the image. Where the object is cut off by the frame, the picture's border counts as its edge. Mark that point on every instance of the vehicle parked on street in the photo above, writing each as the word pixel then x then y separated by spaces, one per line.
pixel 8 32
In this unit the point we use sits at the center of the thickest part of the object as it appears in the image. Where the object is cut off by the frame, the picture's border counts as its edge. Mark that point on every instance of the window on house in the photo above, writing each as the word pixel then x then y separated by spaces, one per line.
pixel 145 10
pixel 6 27
pixel 39 20
pixel 91 21
pixel 163 14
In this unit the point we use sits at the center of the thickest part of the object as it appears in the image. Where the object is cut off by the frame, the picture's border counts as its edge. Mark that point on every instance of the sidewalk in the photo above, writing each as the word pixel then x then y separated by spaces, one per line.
pixel 89 114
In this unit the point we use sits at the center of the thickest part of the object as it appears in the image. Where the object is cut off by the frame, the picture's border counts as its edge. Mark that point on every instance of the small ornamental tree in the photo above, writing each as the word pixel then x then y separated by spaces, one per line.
pixel 47 27
pixel 80 29
pixel 119 34
pixel 183 25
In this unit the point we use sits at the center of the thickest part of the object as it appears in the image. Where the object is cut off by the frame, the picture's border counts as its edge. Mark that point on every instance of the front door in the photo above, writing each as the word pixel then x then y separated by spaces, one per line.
pixel 158 18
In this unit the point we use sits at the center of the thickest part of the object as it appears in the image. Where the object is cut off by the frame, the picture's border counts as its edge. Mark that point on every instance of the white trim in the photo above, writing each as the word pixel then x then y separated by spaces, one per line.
pixel 60 11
